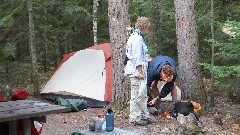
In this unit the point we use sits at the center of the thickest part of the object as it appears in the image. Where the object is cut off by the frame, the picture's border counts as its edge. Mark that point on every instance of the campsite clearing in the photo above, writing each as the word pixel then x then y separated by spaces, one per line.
pixel 67 123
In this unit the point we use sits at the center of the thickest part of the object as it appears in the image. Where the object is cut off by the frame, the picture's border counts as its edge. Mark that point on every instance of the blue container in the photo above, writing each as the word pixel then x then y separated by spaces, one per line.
pixel 109 120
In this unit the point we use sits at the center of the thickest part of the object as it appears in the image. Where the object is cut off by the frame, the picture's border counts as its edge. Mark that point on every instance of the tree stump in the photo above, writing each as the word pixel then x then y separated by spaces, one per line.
pixel 187 120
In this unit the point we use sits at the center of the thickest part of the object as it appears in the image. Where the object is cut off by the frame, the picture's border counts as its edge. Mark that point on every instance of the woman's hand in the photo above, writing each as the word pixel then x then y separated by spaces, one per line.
pixel 141 76
pixel 153 102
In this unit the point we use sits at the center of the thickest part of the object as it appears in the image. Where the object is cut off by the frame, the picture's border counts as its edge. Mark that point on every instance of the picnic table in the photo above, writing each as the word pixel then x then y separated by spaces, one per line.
pixel 26 110
pixel 116 131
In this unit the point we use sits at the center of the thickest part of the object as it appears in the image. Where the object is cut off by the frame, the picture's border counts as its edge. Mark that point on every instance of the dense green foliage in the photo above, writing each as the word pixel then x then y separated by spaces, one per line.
pixel 65 26
pixel 227 67
pixel 227 48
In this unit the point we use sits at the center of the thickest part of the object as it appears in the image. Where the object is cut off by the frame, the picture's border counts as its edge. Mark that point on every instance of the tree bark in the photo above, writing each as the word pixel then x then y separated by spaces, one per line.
pixel 33 50
pixel 187 45
pixel 118 21
pixel 95 8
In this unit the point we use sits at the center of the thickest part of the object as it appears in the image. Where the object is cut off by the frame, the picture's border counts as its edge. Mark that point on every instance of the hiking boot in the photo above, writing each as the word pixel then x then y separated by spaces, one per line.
pixel 148 121
pixel 153 111
pixel 141 122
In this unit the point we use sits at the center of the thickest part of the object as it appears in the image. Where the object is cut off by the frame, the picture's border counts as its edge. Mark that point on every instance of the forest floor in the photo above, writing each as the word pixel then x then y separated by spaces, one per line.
pixel 223 120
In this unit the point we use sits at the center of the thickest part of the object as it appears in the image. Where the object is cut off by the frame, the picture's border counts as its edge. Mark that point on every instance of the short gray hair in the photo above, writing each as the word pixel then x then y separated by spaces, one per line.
pixel 142 22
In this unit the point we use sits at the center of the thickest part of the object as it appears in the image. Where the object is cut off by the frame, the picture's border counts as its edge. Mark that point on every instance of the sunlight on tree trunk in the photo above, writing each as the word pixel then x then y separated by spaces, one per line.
pixel 95 9
pixel 33 50
pixel 118 21
pixel 187 45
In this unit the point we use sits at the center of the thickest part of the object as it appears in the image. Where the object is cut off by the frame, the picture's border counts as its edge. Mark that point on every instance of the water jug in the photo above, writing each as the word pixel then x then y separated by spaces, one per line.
pixel 102 118
pixel 98 126
pixel 109 120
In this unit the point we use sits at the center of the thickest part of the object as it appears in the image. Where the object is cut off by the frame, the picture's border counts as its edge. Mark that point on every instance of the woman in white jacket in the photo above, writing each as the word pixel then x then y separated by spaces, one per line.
pixel 136 69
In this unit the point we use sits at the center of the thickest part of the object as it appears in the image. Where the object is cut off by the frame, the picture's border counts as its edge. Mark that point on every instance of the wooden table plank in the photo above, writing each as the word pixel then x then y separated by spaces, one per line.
pixel 21 109
pixel 26 110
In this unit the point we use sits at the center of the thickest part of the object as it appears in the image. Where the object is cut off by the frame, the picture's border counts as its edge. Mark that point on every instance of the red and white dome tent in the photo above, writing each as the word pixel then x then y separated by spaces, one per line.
pixel 86 74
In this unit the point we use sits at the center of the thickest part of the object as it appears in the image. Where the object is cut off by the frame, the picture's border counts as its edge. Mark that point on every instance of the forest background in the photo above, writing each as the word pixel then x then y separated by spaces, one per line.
pixel 62 27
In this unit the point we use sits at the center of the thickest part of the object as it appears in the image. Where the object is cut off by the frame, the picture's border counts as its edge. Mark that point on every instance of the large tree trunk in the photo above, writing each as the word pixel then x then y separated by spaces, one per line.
pixel 118 21
pixel 95 8
pixel 187 45
pixel 33 50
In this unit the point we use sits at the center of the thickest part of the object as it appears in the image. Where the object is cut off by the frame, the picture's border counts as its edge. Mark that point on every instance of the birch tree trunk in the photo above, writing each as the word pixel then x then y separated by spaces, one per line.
pixel 118 21
pixel 33 50
pixel 187 45
pixel 95 8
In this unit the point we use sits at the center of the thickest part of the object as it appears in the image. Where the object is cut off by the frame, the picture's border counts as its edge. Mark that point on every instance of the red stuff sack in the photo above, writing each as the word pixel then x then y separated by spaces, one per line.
pixel 19 95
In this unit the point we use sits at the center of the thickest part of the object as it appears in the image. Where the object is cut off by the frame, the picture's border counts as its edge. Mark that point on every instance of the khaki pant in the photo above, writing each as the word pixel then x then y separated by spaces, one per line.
pixel 138 102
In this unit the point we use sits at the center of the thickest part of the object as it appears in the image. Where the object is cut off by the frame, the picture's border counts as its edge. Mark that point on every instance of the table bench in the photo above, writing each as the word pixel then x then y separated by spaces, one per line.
pixel 26 110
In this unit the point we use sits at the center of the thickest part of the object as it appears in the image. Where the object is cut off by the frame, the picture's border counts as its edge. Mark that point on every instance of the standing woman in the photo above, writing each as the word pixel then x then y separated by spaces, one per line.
pixel 136 69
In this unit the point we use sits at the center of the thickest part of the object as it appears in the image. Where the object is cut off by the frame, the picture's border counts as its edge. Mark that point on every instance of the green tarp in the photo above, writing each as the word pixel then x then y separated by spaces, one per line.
pixel 75 104
pixel 77 133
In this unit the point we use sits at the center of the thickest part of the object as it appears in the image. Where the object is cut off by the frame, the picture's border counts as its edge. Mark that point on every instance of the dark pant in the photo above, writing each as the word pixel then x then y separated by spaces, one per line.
pixel 167 88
